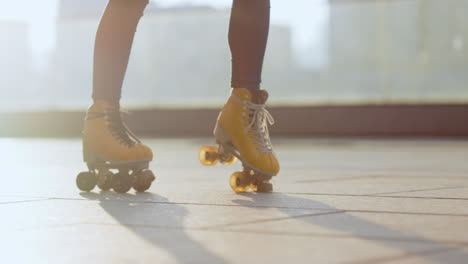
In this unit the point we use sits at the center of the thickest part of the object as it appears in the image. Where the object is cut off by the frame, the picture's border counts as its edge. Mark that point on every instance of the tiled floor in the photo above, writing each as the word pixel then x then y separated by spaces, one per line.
pixel 335 201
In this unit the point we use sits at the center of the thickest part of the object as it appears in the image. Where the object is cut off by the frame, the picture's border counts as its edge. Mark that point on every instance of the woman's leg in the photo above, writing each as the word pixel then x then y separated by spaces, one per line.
pixel 248 34
pixel 114 40
pixel 107 141
pixel 241 129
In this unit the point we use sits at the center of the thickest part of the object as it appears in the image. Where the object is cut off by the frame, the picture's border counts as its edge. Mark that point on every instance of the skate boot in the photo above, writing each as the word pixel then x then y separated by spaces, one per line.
pixel 109 145
pixel 241 132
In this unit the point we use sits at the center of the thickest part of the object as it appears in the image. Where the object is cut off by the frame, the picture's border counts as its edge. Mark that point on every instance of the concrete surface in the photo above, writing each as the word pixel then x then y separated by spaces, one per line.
pixel 335 201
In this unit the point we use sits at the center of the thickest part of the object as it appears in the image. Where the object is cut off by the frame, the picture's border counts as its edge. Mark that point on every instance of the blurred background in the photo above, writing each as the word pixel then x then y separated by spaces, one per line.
pixel 386 60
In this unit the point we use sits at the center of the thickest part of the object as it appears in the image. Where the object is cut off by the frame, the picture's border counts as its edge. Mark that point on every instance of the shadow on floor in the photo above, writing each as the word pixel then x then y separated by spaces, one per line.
pixel 151 224
pixel 350 225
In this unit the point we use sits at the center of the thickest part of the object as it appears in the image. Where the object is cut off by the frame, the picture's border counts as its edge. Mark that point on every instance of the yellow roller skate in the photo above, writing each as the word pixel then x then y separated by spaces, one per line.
pixel 241 132
pixel 108 145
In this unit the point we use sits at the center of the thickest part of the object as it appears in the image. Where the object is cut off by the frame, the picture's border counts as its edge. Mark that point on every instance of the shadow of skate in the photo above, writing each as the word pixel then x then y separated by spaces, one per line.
pixel 150 217
pixel 350 226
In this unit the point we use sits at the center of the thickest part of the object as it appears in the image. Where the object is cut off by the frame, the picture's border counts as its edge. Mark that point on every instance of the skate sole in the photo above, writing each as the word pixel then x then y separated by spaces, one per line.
pixel 223 139
pixel 96 159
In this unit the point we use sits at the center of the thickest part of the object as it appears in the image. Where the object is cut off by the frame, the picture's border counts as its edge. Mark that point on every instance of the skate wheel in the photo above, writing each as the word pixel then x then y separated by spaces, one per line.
pixel 228 159
pixel 105 180
pixel 86 181
pixel 264 187
pixel 143 180
pixel 208 155
pixel 239 181
pixel 123 182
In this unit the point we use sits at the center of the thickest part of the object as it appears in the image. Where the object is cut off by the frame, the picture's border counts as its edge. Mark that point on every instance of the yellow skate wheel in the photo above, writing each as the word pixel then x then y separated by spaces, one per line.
pixel 86 181
pixel 123 182
pixel 228 159
pixel 254 187
pixel 208 155
pixel 105 180
pixel 239 181
pixel 143 180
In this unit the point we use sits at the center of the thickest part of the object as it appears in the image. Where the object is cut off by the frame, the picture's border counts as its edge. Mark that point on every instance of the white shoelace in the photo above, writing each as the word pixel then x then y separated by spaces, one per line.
pixel 258 125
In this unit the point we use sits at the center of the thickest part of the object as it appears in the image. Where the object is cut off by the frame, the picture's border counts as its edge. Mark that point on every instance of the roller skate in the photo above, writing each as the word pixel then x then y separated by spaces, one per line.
pixel 241 132
pixel 108 145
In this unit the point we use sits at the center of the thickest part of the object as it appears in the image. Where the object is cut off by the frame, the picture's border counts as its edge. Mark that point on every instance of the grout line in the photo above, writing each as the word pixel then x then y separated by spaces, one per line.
pixel 391 174
pixel 405 213
pixel 276 207
pixel 260 232
pixel 342 236
pixel 461 176
pixel 273 219
pixel 419 190
pixel 23 196
pixel 25 201
pixel 204 204
pixel 338 179
pixel 420 197
pixel 381 196
pixel 407 255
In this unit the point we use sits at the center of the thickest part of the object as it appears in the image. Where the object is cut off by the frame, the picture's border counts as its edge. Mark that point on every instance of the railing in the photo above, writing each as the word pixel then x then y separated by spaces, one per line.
pixel 336 52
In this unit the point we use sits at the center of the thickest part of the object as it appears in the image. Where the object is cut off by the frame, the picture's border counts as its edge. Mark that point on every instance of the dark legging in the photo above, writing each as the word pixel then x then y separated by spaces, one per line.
pixel 248 33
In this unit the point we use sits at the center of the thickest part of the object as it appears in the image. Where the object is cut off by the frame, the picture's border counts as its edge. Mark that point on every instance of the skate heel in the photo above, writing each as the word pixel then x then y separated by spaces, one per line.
pixel 90 157
pixel 222 137
pixel 227 153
